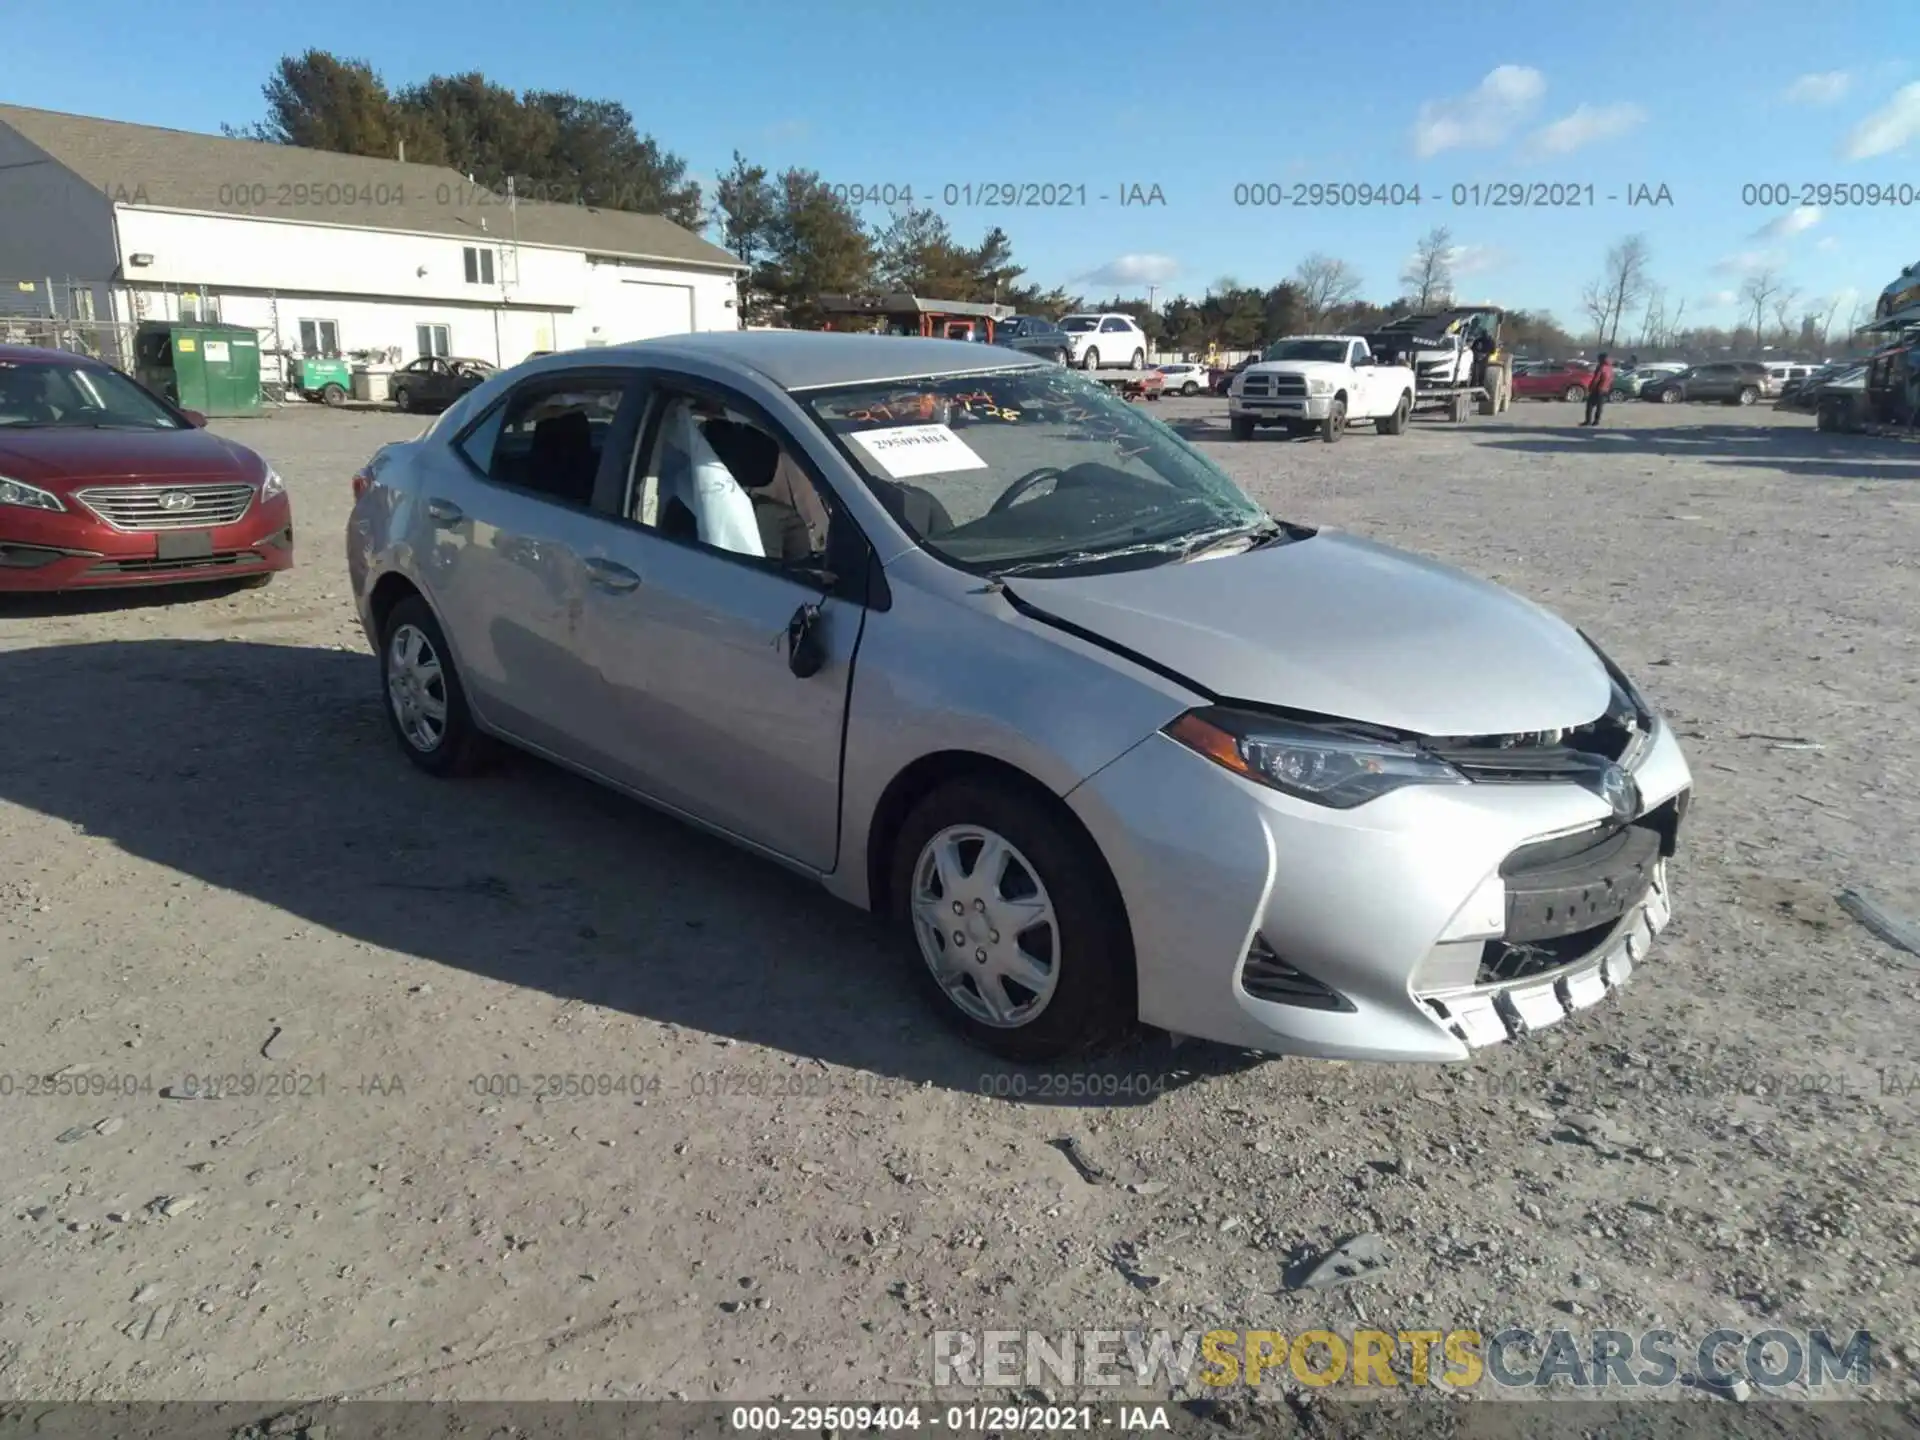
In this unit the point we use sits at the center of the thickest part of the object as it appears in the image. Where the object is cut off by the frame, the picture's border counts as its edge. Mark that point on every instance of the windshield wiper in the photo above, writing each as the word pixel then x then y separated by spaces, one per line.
pixel 1184 546
pixel 1259 533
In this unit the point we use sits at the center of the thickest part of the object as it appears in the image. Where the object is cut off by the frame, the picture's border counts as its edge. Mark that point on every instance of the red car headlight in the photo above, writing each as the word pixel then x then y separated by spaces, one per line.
pixel 31 497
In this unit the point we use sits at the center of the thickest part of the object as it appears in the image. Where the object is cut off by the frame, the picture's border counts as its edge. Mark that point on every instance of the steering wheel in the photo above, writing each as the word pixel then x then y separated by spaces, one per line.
pixel 1020 487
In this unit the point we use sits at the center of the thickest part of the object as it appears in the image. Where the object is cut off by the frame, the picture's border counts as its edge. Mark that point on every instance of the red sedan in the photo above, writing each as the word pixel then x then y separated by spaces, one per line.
pixel 102 483
pixel 1553 382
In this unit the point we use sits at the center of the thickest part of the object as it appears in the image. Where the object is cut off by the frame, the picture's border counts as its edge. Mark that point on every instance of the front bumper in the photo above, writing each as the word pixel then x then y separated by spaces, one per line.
pixel 1389 909
pixel 42 551
pixel 1280 407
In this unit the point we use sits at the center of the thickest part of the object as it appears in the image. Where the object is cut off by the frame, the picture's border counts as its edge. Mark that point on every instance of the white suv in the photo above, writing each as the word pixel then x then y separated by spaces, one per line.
pixel 1105 340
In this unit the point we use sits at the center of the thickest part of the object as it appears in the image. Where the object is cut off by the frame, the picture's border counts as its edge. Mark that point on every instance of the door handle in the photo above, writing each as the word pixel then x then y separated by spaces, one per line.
pixel 607 575
pixel 445 512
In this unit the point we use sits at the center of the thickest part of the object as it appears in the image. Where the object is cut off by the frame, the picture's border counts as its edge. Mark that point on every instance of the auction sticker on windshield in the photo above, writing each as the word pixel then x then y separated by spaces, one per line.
pixel 905 451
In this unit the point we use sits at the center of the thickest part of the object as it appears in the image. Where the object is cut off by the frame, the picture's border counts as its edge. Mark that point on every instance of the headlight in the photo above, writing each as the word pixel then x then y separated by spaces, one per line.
pixel 1319 387
pixel 272 486
pixel 16 492
pixel 1325 766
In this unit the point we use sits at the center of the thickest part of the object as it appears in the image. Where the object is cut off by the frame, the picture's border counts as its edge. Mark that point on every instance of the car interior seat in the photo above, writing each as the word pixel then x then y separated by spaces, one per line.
pixel 562 456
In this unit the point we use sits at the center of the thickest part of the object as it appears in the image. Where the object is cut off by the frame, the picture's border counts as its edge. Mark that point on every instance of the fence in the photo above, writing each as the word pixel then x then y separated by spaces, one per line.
pixel 79 316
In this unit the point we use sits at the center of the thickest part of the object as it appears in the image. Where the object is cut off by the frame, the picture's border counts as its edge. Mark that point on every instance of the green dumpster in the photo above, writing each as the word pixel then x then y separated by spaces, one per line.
pixel 214 369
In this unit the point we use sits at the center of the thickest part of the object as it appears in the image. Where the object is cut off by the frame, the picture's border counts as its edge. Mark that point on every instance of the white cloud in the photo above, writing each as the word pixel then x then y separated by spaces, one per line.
pixel 1822 87
pixel 1585 126
pixel 1746 262
pixel 1827 242
pixel 1474 259
pixel 1134 270
pixel 1720 299
pixel 1484 116
pixel 1892 127
pixel 1783 227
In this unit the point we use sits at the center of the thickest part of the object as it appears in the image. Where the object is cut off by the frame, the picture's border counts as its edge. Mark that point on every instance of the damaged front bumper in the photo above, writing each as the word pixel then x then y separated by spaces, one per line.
pixel 1420 926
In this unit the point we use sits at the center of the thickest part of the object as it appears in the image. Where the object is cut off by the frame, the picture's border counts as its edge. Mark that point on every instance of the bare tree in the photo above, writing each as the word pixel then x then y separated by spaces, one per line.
pixel 1826 320
pixel 1325 284
pixel 1429 274
pixel 1783 307
pixel 1597 301
pixel 1756 293
pixel 1673 326
pixel 1623 286
pixel 1653 317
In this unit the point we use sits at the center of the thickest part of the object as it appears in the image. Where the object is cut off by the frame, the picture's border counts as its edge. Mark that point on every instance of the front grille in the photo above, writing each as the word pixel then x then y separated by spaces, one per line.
pixel 1267 977
pixel 1502 961
pixel 147 565
pixel 152 507
pixel 1575 754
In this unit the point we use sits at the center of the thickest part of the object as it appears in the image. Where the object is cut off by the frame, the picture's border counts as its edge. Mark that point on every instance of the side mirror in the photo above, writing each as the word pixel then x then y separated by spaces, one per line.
pixel 195 419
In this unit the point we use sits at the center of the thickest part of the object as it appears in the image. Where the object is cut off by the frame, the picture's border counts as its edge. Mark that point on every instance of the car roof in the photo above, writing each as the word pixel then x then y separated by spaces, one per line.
pixel 814 359
pixel 45 355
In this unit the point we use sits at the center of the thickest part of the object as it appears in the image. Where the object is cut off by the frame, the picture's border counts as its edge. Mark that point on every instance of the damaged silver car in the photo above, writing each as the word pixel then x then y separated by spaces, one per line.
pixel 975 643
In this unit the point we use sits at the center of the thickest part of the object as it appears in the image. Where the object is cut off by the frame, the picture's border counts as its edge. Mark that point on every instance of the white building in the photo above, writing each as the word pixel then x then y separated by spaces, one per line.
pixel 106 225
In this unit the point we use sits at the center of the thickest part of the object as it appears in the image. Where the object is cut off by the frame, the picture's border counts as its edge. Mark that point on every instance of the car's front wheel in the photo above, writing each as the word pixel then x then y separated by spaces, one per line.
pixel 1190 389
pixel 1091 360
pixel 403 399
pixel 1574 394
pixel 1242 427
pixel 426 704
pixel 1020 937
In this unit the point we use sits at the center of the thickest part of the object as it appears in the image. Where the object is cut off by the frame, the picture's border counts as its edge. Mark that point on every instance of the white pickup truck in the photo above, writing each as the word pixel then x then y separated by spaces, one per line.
pixel 1320 382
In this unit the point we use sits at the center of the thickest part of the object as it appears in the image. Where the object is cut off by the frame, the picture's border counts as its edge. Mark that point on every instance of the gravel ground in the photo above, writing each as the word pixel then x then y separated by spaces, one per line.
pixel 214 863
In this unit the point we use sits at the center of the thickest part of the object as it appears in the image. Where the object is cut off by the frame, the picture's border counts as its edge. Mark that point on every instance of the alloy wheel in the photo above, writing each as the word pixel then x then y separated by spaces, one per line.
pixel 417 688
pixel 986 925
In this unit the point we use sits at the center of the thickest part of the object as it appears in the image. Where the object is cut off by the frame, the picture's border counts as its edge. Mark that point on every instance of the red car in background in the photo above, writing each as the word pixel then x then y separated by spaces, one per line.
pixel 1558 381
pixel 103 483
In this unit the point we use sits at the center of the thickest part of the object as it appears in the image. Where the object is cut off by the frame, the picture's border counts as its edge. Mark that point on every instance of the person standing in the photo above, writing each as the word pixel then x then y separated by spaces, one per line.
pixel 1599 387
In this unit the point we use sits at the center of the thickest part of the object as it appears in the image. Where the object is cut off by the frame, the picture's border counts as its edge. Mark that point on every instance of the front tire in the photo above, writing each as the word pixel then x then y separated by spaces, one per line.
pixel 1190 389
pixel 1574 394
pixel 1039 968
pixel 1091 361
pixel 426 703
pixel 403 400
pixel 333 396
pixel 1335 425
pixel 1242 427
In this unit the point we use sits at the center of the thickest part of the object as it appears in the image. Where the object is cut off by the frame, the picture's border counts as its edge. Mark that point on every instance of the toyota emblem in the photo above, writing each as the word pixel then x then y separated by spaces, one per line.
pixel 175 501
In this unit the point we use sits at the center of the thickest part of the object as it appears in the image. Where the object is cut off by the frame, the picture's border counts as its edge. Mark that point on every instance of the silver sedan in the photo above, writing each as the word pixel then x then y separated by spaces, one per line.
pixel 976 644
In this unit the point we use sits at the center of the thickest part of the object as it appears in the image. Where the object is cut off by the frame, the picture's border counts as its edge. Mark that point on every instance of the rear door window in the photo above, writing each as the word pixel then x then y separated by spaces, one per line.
pixel 549 435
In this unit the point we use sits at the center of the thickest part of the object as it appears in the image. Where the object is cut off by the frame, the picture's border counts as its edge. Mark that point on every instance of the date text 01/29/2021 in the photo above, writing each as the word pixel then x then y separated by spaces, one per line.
pixel 1496 194
pixel 1003 194
pixel 976 1419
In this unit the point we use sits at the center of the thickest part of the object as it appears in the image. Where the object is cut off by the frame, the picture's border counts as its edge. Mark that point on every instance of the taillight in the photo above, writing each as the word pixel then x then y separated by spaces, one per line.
pixel 361 481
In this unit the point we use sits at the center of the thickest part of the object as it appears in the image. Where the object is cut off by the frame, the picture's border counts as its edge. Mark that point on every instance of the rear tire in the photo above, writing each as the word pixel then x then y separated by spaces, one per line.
pixel 1746 396
pixel 1075 964
pixel 257 582
pixel 418 678
pixel 1189 389
pixel 1574 394
pixel 1139 361
pixel 1669 397
pixel 1335 425
pixel 1396 423
pixel 1242 427
pixel 332 396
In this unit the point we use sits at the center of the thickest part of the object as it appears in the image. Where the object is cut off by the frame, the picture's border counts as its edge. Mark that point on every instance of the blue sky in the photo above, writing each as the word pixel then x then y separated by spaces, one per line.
pixel 1704 97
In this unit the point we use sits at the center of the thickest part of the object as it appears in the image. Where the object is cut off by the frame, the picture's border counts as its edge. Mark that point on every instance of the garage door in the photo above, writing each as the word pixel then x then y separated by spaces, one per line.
pixel 648 309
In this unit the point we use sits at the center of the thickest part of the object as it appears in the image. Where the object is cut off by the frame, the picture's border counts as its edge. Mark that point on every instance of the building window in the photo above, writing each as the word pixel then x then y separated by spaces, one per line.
pixel 432 340
pixel 195 305
pixel 479 265
pixel 320 337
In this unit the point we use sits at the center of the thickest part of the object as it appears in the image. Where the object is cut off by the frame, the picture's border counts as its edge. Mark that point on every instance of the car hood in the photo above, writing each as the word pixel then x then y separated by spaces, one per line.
pixel 1343 627
pixel 1296 367
pixel 57 456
